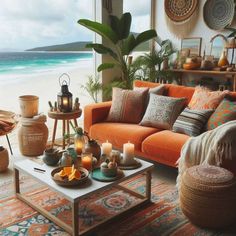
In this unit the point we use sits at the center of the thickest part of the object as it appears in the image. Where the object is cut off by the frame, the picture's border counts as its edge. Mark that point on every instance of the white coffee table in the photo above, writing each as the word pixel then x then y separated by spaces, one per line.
pixel 74 195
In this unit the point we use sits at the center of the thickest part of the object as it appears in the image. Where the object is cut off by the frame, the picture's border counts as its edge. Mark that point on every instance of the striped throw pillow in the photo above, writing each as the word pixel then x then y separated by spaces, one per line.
pixel 191 122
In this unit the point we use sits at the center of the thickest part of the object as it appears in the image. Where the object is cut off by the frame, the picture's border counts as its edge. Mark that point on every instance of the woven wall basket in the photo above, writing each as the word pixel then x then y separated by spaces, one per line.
pixel 181 16
pixel 218 14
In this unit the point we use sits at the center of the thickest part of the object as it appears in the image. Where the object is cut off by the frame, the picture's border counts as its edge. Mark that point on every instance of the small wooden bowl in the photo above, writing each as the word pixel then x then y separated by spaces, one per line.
pixel 74 182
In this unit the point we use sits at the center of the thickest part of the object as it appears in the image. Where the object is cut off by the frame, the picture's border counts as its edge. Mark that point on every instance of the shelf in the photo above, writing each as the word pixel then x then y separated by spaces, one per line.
pixel 232 73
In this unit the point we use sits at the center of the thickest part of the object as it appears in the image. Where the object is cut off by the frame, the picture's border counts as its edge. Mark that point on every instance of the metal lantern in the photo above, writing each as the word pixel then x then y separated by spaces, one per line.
pixel 64 97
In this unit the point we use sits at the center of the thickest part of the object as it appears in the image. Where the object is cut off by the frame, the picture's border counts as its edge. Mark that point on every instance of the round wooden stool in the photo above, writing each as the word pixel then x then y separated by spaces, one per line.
pixel 208 195
pixel 66 119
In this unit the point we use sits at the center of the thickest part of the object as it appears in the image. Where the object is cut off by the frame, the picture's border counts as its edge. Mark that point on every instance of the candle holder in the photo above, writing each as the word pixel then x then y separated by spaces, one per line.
pixel 64 97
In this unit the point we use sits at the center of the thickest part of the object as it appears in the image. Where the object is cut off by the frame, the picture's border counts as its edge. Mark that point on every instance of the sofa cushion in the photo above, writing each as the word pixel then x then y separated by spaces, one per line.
pixel 128 106
pixel 120 133
pixel 225 112
pixel 191 122
pixel 165 145
pixel 203 98
pixel 162 111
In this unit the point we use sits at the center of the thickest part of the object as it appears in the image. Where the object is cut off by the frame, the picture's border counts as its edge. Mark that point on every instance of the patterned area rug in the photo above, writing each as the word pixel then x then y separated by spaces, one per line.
pixel 162 217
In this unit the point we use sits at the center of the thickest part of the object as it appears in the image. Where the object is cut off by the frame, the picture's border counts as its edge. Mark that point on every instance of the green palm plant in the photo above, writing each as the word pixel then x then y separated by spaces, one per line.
pixel 93 87
pixel 122 42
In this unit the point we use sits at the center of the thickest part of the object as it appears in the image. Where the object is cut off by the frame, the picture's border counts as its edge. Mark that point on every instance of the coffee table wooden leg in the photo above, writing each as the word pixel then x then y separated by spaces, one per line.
pixel 54 132
pixel 68 130
pixel 63 134
pixel 76 124
pixel 75 218
pixel 17 181
pixel 148 184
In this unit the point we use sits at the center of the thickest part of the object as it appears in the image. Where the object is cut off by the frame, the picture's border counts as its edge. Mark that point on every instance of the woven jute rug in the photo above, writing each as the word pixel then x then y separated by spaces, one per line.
pixel 162 217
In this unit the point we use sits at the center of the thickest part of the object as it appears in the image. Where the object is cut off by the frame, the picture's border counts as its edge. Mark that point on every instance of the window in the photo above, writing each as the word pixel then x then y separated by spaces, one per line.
pixel 141 17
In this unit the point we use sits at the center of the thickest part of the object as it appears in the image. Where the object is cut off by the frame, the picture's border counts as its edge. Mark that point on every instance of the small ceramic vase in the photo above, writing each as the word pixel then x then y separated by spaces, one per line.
pixel 4 159
pixel 66 160
pixel 93 147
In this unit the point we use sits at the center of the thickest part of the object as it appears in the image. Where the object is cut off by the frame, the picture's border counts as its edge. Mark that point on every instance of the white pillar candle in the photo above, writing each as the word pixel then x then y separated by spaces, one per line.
pixel 128 153
pixel 106 148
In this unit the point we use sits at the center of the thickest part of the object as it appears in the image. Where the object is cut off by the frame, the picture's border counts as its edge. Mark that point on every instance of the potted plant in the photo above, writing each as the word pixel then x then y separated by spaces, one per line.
pixel 150 63
pixel 122 42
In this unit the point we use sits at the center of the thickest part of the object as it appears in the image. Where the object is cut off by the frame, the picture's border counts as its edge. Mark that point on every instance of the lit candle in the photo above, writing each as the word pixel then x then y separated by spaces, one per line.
pixel 128 153
pixel 106 148
pixel 86 161
pixel 65 101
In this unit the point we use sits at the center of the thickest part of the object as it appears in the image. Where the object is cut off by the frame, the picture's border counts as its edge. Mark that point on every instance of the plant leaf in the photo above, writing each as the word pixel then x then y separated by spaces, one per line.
pixel 101 49
pixel 105 66
pixel 145 36
pixel 101 29
pixel 125 23
pixel 128 45
pixel 115 25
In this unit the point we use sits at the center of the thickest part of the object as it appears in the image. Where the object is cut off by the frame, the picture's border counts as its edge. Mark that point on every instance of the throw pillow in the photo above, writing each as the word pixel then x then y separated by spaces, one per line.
pixel 191 122
pixel 128 106
pixel 225 112
pixel 162 111
pixel 204 98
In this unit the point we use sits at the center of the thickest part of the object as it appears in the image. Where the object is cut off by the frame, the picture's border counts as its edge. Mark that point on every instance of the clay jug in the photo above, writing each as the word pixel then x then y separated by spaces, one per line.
pixel 4 159
pixel 93 147
pixel 223 61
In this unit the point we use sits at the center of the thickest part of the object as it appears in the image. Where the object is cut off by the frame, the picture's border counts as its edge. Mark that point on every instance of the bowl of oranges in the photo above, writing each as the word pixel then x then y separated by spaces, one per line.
pixel 69 175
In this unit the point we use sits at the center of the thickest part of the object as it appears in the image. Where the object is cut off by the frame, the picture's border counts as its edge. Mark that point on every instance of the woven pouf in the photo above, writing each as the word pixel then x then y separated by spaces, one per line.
pixel 208 196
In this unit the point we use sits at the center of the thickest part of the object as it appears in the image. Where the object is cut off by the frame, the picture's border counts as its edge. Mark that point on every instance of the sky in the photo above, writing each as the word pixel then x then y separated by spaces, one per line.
pixel 27 24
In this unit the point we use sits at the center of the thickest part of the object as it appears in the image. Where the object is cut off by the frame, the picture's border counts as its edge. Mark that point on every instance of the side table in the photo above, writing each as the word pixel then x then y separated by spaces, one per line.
pixel 66 119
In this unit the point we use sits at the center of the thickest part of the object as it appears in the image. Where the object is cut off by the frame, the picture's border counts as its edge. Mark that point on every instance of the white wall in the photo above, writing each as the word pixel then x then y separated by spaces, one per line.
pixel 199 30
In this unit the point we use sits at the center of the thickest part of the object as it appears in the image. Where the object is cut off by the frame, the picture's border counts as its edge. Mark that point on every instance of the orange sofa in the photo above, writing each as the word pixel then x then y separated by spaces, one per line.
pixel 161 146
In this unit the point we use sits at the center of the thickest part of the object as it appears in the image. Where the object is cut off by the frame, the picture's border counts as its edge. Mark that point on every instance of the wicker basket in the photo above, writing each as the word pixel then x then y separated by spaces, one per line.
pixel 208 196
pixel 4 159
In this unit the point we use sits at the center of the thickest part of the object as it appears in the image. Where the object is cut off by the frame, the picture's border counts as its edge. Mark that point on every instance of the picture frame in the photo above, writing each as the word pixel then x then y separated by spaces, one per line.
pixel 193 45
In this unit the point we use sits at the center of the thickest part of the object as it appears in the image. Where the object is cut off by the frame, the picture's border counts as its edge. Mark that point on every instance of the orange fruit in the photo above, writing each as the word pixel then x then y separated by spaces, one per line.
pixel 62 173
pixel 67 170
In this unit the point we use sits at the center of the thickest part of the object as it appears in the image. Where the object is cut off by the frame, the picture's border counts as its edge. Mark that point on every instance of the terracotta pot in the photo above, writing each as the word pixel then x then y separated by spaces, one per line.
pixel 93 147
pixel 4 159
pixel 29 105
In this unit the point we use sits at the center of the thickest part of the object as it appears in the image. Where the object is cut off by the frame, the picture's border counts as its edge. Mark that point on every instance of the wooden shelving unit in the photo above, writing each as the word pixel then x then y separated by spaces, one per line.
pixel 226 74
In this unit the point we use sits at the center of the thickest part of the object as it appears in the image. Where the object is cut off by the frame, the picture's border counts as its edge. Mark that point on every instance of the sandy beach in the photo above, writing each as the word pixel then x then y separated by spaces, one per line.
pixel 46 86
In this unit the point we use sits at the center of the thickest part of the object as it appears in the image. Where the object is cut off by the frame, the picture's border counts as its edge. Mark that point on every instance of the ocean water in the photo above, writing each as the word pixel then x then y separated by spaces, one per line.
pixel 23 63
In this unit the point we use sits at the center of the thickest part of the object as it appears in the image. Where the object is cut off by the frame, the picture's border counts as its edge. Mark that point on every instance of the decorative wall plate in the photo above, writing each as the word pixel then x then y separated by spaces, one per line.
pixel 180 10
pixel 218 14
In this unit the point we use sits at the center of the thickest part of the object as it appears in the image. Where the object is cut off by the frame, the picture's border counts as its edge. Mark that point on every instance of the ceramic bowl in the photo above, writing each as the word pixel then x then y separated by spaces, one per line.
pixel 51 157
pixel 109 172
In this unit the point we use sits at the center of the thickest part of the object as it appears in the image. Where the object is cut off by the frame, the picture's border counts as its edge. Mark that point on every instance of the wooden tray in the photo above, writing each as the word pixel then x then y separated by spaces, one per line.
pixel 98 175
pixel 74 182
pixel 130 167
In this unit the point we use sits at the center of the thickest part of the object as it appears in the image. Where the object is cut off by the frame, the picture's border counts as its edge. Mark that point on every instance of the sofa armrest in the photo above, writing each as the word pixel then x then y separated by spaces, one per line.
pixel 95 113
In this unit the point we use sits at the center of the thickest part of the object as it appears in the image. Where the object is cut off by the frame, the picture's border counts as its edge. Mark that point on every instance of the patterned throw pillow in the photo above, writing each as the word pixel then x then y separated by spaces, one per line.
pixel 203 98
pixel 191 122
pixel 128 106
pixel 225 112
pixel 162 111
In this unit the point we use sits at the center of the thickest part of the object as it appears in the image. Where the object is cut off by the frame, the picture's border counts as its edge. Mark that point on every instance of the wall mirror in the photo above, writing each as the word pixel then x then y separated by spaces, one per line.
pixel 218 42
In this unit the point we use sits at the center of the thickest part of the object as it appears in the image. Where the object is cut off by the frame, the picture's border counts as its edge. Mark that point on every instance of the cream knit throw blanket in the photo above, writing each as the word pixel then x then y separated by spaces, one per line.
pixel 211 147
